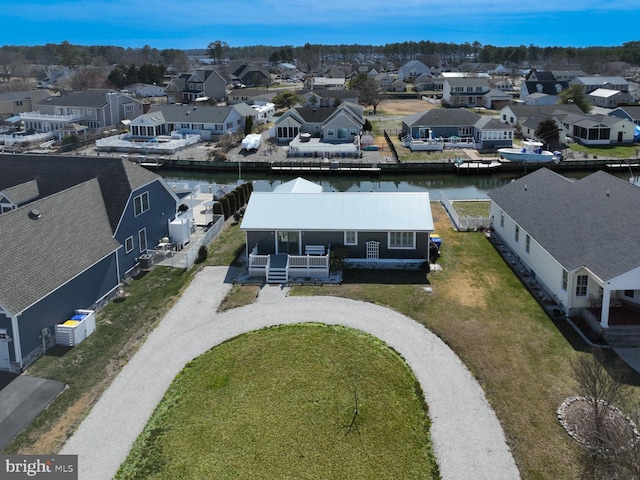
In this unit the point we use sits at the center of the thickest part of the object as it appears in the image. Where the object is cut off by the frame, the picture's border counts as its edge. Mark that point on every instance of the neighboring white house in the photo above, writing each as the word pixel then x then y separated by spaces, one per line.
pixel 207 121
pixel 577 238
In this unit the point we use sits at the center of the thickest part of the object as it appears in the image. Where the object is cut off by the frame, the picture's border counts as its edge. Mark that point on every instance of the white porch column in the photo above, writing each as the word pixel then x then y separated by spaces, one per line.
pixel 15 335
pixel 606 301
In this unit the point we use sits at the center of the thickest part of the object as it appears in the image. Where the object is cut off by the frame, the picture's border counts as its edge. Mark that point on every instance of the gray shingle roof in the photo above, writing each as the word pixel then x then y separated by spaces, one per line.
pixel 24 192
pixel 117 177
pixel 90 98
pixel 442 117
pixel 192 114
pixel 38 255
pixel 589 222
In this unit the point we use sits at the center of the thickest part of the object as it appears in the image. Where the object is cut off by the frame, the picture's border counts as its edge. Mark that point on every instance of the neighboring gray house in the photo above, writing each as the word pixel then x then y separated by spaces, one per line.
pixel 94 109
pixel 70 227
pixel 340 124
pixel 606 98
pixel 486 132
pixel 59 255
pixel 14 103
pixel 574 237
pixel 412 70
pixel 328 98
pixel 196 86
pixel 630 112
pixel 251 96
pixel 591 83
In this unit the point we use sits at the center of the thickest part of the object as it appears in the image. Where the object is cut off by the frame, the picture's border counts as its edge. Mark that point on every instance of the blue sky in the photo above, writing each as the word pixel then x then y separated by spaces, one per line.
pixel 195 23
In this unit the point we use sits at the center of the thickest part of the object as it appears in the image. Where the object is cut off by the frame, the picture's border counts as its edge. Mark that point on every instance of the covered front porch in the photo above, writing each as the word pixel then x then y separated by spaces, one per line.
pixel 280 268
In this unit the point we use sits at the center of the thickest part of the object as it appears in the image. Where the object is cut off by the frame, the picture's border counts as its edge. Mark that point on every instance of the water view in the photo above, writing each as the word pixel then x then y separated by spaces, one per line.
pixel 455 187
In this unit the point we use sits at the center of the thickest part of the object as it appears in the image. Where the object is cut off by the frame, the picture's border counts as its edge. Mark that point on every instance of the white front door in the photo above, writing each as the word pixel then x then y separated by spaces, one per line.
pixel 4 350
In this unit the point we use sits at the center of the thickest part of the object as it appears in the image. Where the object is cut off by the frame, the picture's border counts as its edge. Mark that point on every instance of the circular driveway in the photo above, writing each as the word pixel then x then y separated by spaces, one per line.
pixel 467 438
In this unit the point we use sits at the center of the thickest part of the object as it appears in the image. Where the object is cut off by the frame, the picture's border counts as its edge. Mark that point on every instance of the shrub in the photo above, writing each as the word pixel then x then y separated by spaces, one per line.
pixel 337 257
pixel 202 254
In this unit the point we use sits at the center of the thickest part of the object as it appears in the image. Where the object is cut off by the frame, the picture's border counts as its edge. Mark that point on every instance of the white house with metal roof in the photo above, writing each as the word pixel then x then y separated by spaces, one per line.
pixel 290 232
pixel 577 238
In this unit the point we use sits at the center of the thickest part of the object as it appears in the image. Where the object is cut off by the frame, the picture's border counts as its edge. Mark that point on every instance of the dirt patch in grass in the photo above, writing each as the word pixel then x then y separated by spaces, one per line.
pixel 403 106
pixel 239 296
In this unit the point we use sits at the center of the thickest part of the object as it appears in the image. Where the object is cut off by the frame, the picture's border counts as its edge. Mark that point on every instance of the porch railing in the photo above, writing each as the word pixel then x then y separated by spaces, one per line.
pixel 297 265
pixel 309 262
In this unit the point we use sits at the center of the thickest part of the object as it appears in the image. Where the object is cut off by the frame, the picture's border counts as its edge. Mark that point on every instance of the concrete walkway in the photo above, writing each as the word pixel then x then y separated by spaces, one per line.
pixel 22 398
pixel 467 437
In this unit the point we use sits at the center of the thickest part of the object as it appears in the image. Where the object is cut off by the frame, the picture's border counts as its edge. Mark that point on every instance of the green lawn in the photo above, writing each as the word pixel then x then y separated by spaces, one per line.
pixel 519 356
pixel 605 151
pixel 472 208
pixel 280 403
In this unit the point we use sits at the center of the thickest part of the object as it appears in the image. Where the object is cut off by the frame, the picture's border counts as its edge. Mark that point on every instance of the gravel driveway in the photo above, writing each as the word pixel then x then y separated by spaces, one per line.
pixel 467 437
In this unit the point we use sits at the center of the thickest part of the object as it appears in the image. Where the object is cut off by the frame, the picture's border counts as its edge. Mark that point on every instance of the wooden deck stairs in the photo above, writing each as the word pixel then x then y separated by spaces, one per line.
pixel 277 270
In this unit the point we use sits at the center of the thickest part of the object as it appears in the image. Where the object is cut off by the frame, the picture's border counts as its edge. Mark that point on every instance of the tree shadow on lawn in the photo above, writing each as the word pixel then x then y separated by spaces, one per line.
pixel 386 276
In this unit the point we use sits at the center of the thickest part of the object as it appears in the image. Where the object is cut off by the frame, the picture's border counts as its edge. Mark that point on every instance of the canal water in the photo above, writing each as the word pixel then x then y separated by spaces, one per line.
pixel 455 187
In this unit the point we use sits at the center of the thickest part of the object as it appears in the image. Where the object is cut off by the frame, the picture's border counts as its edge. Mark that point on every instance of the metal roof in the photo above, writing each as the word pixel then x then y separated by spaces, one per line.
pixel 298 185
pixel 339 211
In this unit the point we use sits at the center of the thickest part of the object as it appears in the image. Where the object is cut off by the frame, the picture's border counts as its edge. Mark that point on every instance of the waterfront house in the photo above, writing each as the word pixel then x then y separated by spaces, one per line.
pixel 71 228
pixel 210 122
pixel 376 229
pixel 459 125
pixel 58 255
pixel 341 124
pixel 576 238
pixel 93 109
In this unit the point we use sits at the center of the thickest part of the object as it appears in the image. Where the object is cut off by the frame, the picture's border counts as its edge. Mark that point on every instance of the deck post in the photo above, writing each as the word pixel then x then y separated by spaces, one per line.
pixel 604 314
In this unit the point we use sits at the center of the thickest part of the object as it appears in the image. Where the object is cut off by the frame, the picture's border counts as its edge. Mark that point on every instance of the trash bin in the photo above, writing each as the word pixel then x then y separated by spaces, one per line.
pixel 146 261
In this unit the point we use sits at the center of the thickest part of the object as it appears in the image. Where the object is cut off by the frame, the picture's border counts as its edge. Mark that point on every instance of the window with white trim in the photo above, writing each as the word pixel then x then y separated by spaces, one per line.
pixel 517 237
pixel 527 244
pixel 351 237
pixel 582 281
pixel 128 244
pixel 399 240
pixel 141 203
pixel 565 279
pixel 142 239
pixel 502 219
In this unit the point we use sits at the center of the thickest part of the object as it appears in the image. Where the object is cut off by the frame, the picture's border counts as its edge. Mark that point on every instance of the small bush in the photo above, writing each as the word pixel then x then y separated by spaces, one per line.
pixel 202 254
pixel 337 257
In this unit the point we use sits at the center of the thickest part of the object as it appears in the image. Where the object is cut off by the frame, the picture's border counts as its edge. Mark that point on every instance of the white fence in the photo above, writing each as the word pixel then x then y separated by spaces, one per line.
pixel 10 140
pixel 187 257
pixel 463 224
pixel 160 145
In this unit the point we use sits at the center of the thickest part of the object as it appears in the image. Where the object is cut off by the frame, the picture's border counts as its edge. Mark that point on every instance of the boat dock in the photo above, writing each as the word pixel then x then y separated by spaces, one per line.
pixel 477 167
pixel 328 167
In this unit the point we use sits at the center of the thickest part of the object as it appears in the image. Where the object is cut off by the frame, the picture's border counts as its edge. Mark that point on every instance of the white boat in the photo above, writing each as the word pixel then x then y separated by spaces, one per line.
pixel 529 152
pixel 252 141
